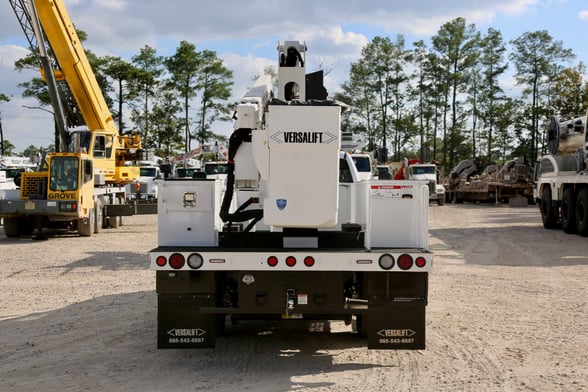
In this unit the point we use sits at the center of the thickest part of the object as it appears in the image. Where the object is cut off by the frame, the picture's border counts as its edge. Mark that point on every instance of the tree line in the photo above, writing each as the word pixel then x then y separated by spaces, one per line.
pixel 443 100
pixel 172 100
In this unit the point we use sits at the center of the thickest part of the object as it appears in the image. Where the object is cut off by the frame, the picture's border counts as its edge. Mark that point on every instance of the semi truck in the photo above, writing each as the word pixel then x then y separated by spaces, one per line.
pixel 293 233
pixel 561 177
pixel 81 187
pixel 416 170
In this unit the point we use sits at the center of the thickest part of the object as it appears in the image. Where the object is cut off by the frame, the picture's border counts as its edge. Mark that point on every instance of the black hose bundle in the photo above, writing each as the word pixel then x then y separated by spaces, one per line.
pixel 238 137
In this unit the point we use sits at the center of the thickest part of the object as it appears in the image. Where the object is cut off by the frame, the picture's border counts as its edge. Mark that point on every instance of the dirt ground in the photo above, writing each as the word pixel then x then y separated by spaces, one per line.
pixel 507 312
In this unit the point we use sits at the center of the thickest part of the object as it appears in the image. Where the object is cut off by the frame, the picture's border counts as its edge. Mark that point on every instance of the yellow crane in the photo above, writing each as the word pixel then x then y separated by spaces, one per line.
pixel 81 187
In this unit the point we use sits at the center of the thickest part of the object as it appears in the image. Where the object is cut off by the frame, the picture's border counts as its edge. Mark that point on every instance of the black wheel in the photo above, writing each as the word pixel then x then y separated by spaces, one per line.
pixel 113 220
pixel 11 227
pixel 361 325
pixel 121 221
pixel 98 216
pixel 582 212
pixel 568 211
pixel 27 226
pixel 220 324
pixel 86 226
pixel 547 211
pixel 361 320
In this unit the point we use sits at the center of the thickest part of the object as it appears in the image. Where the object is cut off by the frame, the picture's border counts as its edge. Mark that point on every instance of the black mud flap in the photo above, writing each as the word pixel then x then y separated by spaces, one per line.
pixel 397 326
pixel 180 323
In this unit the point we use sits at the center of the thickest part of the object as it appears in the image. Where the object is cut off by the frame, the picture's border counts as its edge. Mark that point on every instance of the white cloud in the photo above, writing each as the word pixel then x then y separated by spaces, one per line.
pixel 23 126
pixel 245 34
pixel 9 54
pixel 126 25
pixel 9 77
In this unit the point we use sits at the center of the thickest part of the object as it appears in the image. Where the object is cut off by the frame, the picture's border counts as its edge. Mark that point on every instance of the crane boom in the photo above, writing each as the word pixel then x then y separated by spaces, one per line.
pixel 74 64
pixel 27 17
pixel 47 24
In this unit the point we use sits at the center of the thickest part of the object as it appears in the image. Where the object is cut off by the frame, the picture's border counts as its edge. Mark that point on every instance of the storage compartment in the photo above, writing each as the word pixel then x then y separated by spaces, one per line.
pixel 188 212
pixel 398 213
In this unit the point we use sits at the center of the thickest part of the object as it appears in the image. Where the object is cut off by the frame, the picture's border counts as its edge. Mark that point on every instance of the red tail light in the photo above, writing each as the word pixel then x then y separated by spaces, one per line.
pixel 405 262
pixel 161 261
pixel 309 261
pixel 272 261
pixel 420 262
pixel 176 261
pixel 290 261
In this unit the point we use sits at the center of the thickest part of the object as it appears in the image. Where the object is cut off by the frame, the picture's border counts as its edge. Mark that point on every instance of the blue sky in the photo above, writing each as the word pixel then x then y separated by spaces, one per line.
pixel 245 34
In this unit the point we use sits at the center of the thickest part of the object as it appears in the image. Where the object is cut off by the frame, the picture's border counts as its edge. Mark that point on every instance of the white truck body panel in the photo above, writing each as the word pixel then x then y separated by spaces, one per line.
pixel 5 182
pixel 188 213
pixel 398 214
pixel 303 192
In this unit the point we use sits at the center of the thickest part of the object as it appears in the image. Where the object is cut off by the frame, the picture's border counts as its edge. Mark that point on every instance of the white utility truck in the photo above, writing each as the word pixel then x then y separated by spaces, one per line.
pixel 363 163
pixel 145 186
pixel 306 240
pixel 561 177
pixel 415 170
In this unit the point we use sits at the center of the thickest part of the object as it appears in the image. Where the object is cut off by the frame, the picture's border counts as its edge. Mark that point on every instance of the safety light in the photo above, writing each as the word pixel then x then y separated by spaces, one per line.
pixel 386 261
pixel 68 206
pixel 195 261
pixel 272 261
pixel 420 262
pixel 176 261
pixel 290 261
pixel 405 262
pixel 161 261
pixel 309 261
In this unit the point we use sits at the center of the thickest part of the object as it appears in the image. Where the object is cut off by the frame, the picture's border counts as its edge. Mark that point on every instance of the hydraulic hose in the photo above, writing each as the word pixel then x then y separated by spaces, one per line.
pixel 238 137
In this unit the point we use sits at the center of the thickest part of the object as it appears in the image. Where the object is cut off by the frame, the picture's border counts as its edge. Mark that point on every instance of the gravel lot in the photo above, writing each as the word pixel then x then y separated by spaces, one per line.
pixel 507 312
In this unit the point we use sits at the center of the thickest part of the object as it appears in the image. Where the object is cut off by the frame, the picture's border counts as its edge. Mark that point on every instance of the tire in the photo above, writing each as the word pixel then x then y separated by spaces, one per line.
pixel 27 226
pixel 582 212
pixel 11 227
pixel 113 220
pixel 547 211
pixel 361 320
pixel 361 325
pixel 86 229
pixel 441 201
pixel 568 211
pixel 98 216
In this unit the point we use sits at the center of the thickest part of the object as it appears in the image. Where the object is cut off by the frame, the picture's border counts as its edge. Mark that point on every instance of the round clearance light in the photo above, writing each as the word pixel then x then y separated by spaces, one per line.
pixel 420 262
pixel 386 261
pixel 405 262
pixel 290 261
pixel 195 261
pixel 309 261
pixel 176 261
pixel 161 261
pixel 272 261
